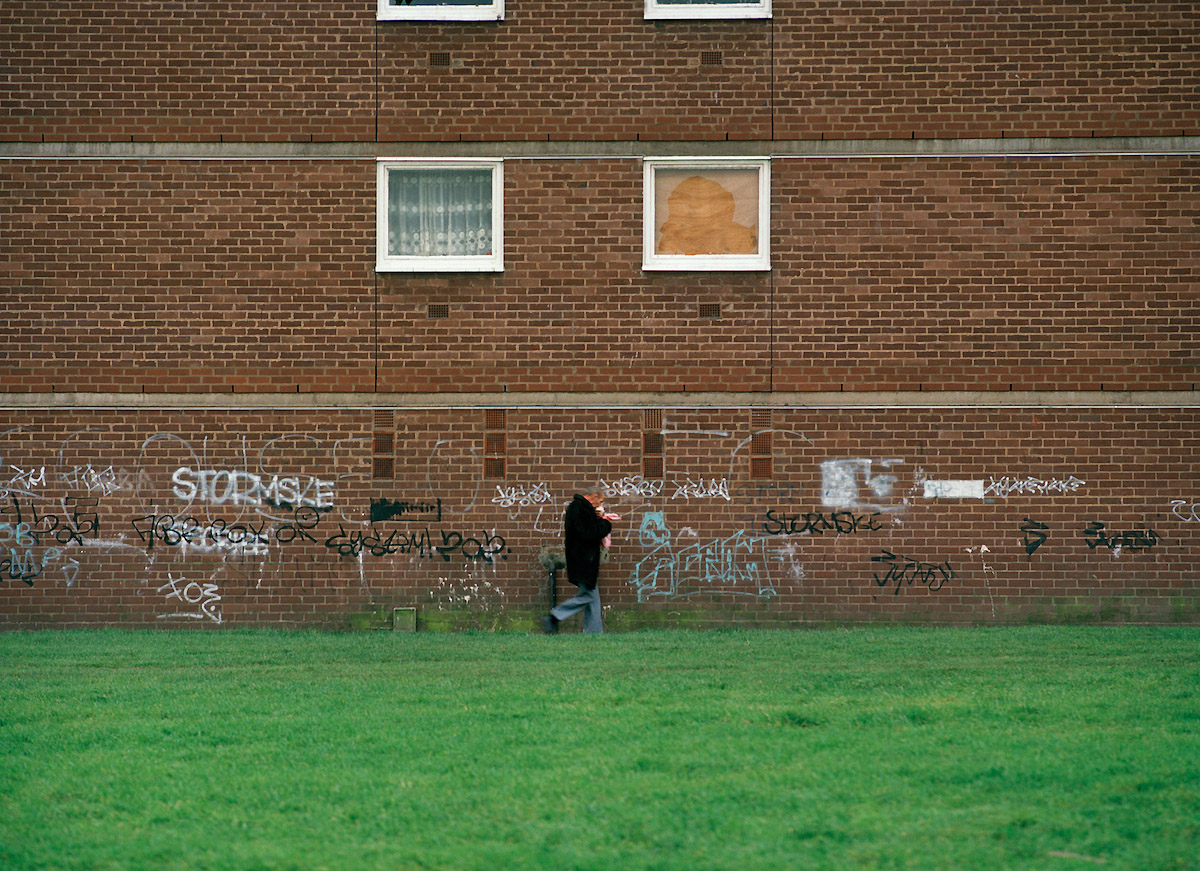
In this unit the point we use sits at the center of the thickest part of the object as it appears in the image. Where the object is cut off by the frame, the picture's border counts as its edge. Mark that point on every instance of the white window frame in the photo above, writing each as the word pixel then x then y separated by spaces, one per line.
pixel 692 11
pixel 761 260
pixel 386 262
pixel 493 11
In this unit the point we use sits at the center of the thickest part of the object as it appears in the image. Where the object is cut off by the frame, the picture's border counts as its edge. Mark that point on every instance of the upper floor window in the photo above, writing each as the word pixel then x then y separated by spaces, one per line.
pixel 708 8
pixel 706 214
pixel 440 216
pixel 440 10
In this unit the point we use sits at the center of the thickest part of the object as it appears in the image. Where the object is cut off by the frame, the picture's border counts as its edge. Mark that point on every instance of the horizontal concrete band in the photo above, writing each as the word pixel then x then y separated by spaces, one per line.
pixel 1065 146
pixel 853 399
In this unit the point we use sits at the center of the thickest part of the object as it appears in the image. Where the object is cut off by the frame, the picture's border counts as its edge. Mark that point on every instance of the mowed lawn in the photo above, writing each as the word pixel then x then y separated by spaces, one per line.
pixel 895 748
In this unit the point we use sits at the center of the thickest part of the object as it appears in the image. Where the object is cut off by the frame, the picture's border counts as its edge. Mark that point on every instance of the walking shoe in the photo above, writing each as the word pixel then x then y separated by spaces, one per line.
pixel 550 624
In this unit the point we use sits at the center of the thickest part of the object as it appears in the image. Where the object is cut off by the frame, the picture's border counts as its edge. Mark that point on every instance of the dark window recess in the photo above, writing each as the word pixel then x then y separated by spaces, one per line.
pixel 711 58
pixel 439 58
pixel 439 310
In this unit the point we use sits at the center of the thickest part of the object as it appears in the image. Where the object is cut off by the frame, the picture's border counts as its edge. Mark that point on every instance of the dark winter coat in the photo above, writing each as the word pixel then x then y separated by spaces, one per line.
pixel 583 530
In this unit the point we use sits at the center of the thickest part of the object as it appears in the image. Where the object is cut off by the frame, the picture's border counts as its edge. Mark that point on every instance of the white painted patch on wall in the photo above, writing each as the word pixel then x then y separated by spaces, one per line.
pixel 954 489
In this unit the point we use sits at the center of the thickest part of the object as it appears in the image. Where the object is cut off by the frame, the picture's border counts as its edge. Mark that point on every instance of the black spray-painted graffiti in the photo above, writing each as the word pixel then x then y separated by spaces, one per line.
pixel 386 509
pixel 24 529
pixel 485 547
pixel 245 537
pixel 904 570
pixel 1133 540
pixel 815 522
pixel 1035 535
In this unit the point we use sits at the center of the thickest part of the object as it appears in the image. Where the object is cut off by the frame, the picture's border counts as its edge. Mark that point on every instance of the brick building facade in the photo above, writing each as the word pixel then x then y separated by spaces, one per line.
pixel 940 367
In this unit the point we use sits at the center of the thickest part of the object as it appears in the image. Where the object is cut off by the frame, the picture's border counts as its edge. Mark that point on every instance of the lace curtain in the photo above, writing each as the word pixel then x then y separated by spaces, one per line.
pixel 439 212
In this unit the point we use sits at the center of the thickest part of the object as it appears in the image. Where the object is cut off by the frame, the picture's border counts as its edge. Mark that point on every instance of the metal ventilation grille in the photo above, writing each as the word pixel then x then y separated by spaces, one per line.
pixel 383 467
pixel 495 443
pixel 761 451
pixel 439 58
pixel 710 310
pixel 439 310
pixel 383 444
pixel 711 58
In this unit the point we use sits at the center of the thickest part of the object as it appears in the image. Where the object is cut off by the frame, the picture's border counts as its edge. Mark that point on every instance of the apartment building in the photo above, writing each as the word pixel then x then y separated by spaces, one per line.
pixel 861 310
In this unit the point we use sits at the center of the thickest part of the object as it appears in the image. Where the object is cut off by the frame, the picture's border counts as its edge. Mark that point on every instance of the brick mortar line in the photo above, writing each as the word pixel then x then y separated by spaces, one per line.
pixel 576 150
pixel 851 400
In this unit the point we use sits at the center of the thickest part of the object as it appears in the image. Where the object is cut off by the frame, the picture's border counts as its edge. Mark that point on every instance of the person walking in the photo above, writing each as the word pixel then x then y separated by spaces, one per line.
pixel 585 527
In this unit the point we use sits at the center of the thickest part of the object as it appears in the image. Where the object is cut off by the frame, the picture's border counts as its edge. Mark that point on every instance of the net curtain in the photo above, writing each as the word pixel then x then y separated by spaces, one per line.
pixel 439 212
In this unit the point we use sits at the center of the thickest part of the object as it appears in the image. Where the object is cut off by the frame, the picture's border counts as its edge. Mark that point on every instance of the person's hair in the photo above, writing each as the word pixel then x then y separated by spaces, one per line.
pixel 590 490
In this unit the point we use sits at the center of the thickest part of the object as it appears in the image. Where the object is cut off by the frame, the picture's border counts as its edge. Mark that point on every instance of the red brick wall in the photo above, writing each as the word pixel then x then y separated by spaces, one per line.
pixel 188 276
pixel 124 70
pixel 208 70
pixel 1086 514
pixel 939 273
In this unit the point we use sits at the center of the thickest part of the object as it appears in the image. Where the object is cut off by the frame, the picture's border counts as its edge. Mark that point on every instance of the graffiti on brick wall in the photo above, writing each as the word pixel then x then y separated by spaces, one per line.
pixel 902 570
pixel 522 495
pixel 818 523
pixel 1008 485
pixel 193 508
pixel 389 509
pixel 861 484
pixel 1186 510
pixel 1132 540
pixel 33 540
pixel 486 546
pixel 737 564
pixel 239 487
pixel 191 600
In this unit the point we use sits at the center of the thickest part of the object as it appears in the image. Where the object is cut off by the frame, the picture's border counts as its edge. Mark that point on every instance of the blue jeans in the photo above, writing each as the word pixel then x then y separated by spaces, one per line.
pixel 588 601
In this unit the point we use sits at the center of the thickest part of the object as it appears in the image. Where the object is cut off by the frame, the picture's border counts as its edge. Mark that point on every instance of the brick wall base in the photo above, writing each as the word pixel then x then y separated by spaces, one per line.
pixel 771 517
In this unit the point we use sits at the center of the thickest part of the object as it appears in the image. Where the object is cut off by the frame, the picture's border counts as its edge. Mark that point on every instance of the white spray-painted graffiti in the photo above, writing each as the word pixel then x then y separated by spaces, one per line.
pixel 850 484
pixel 1008 485
pixel 701 489
pixel 1186 510
pixel 634 485
pixel 221 486
pixel 522 496
pixel 204 596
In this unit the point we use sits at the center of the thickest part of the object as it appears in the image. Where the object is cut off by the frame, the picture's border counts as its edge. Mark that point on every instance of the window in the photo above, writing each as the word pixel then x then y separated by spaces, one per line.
pixel 440 10
pixel 706 214
pixel 440 216
pixel 708 8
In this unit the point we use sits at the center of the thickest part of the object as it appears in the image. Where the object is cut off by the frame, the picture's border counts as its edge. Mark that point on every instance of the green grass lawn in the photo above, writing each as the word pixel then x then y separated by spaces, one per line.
pixel 1013 748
